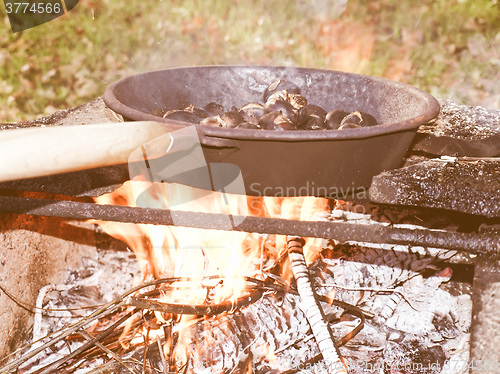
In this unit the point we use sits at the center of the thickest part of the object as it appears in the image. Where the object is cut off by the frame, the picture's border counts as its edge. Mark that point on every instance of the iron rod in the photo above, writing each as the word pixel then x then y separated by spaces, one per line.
pixel 341 231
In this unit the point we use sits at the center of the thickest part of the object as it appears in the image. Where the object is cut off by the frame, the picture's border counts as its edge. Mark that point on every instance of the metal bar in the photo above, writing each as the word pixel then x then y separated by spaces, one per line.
pixel 341 231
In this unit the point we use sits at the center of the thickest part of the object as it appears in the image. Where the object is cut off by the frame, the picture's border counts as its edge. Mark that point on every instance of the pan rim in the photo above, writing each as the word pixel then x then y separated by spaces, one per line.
pixel 432 109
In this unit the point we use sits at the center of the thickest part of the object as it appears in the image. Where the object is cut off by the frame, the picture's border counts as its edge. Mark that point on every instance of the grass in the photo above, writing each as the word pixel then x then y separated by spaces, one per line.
pixel 449 48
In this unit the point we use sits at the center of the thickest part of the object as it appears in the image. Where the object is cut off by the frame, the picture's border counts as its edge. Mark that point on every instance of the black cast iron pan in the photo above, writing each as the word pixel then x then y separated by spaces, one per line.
pixel 287 163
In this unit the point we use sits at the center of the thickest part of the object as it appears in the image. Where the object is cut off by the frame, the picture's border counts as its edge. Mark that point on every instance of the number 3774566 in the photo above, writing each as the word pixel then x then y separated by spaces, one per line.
pixel 33 8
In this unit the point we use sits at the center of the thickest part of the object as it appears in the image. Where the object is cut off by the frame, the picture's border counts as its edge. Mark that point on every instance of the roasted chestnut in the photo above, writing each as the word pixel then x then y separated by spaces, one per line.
pixel 368 119
pixel 351 121
pixel 286 109
pixel 202 113
pixel 334 118
pixel 182 115
pixel 212 121
pixel 296 100
pixel 214 108
pixel 232 118
pixel 275 121
pixel 252 112
pixel 357 119
pixel 280 85
pixel 311 117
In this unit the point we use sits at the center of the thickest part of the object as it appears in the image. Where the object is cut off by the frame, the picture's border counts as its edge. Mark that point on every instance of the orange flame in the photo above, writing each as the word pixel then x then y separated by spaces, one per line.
pixel 168 251
pixel 172 251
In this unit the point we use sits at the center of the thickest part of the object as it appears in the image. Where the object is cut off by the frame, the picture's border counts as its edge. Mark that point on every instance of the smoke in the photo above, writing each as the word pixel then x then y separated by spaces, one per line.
pixel 328 8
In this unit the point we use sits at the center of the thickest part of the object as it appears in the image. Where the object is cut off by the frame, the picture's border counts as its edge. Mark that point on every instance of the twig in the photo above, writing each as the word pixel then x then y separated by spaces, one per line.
pixel 108 351
pixel 162 356
pixel 170 343
pixel 267 285
pixel 199 309
pixel 146 346
pixel 376 290
pixel 49 368
pixel 58 335
pixel 34 308
pixel 311 308
pixel 19 303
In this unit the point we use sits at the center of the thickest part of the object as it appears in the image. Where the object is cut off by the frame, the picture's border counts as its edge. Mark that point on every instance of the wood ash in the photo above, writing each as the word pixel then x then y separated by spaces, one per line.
pixel 419 326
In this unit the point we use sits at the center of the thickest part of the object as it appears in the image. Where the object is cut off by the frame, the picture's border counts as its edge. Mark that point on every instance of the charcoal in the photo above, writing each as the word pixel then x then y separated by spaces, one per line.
pixel 461 130
pixel 276 324
pixel 465 186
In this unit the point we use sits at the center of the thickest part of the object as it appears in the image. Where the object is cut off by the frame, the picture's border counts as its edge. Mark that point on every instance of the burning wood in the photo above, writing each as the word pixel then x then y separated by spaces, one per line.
pixel 224 301
pixel 272 335
pixel 312 309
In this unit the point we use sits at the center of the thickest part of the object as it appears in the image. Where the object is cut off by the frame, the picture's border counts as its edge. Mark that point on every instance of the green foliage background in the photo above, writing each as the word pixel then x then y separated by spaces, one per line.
pixel 449 48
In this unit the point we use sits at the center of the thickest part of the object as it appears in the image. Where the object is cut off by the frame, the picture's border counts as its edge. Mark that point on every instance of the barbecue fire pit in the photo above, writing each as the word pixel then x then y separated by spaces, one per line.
pixel 377 270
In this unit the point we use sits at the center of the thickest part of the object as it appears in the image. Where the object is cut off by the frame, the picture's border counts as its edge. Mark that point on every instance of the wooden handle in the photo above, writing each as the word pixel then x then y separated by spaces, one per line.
pixel 36 152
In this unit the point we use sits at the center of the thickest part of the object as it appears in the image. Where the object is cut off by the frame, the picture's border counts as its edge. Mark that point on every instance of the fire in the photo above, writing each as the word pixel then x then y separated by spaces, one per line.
pixel 173 251
pixel 194 254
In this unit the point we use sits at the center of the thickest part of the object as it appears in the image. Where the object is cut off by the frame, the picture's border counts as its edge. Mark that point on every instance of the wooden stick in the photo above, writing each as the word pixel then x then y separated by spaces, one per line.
pixel 36 152
pixel 108 351
pixel 102 335
pixel 311 308
pixel 162 355
pixel 106 309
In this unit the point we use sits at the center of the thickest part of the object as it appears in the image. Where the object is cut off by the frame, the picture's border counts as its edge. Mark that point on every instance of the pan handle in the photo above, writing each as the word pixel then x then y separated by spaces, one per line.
pixel 216 142
pixel 37 152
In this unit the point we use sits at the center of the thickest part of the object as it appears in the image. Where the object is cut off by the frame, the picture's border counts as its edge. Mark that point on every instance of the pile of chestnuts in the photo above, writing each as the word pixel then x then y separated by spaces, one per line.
pixel 284 108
